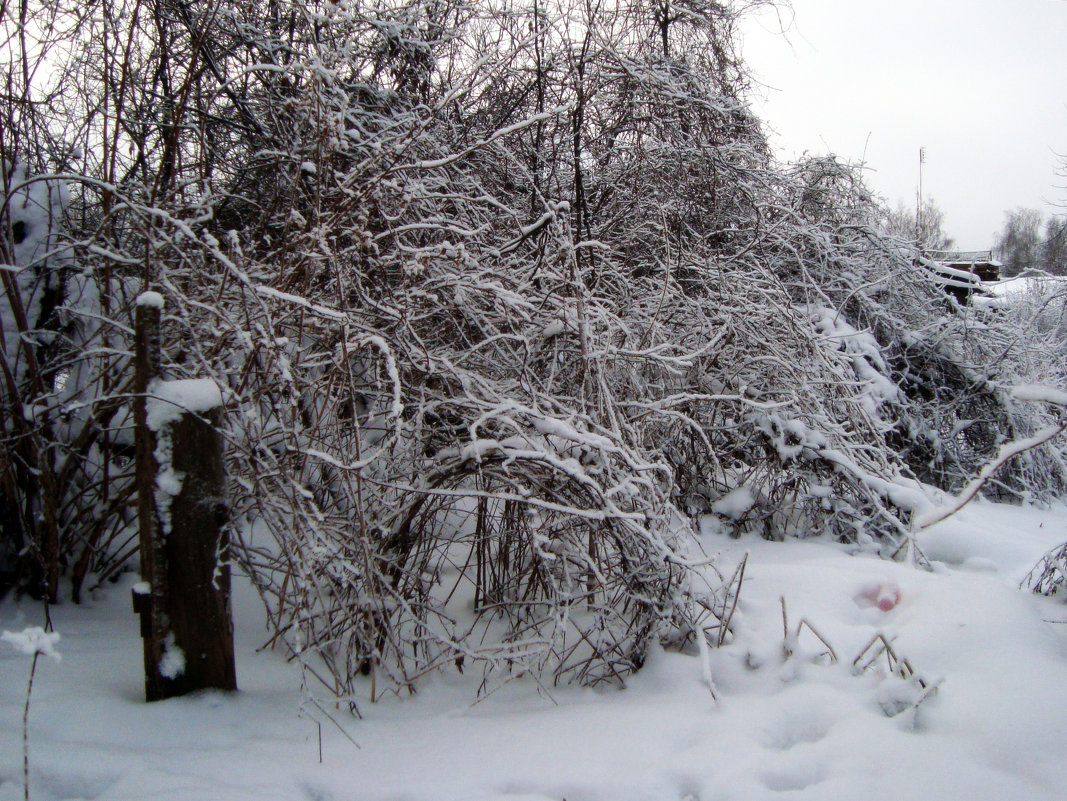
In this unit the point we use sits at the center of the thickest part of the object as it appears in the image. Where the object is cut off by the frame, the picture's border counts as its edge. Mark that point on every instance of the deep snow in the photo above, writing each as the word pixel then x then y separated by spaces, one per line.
pixel 793 728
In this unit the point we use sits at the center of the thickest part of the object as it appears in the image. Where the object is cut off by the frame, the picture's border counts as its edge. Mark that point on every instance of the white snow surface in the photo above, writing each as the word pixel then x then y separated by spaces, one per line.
pixel 1028 285
pixel 798 727
pixel 735 503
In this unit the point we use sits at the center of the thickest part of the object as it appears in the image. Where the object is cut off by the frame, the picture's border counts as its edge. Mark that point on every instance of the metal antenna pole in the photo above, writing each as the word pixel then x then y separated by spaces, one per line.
pixel 919 200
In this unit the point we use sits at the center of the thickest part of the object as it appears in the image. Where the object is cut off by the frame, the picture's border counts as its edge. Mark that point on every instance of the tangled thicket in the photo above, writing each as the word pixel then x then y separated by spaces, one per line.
pixel 501 295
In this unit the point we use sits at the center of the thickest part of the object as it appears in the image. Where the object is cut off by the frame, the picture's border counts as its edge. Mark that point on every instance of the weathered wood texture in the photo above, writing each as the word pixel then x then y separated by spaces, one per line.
pixel 185 613
pixel 151 604
pixel 198 572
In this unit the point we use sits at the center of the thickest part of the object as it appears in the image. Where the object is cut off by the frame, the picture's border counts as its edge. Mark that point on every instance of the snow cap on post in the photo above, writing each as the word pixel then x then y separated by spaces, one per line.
pixel 171 399
pixel 152 300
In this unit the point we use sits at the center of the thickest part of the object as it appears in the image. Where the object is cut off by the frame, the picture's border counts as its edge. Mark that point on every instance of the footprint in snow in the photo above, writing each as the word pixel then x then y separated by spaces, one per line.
pixel 76 782
pixel 791 733
pixel 797 777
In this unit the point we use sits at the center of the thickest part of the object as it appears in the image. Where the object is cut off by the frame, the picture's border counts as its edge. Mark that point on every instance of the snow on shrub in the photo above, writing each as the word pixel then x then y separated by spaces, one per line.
pixel 489 354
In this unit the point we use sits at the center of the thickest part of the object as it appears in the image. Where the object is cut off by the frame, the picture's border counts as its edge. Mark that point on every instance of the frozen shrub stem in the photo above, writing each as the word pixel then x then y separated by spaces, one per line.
pixel 26 731
pixel 899 667
pixel 33 642
pixel 731 596
pixel 789 638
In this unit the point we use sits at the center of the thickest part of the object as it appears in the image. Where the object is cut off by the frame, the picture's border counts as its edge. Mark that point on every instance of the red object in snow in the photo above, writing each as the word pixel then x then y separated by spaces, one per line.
pixel 885 595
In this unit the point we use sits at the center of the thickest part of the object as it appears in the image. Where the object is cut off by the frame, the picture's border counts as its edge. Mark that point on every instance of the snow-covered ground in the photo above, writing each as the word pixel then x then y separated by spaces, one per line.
pixel 802 727
pixel 1030 285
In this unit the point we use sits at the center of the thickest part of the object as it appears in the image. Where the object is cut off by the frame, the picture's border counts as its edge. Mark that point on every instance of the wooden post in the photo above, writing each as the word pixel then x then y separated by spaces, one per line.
pixel 150 596
pixel 184 595
pixel 198 574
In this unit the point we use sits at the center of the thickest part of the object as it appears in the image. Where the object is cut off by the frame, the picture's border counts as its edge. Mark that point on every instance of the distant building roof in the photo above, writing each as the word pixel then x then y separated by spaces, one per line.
pixel 979 263
pixel 954 257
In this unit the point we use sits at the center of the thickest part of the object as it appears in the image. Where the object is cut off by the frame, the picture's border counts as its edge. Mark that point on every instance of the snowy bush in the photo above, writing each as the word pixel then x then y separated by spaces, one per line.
pixel 32 274
pixel 501 298
pixel 65 486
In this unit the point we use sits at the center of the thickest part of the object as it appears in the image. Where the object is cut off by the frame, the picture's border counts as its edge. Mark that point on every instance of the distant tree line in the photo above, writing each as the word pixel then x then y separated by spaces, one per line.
pixel 924 227
pixel 1029 241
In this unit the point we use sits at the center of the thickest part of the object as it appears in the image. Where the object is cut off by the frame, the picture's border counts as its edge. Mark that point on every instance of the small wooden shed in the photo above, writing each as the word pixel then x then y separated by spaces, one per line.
pixel 976 262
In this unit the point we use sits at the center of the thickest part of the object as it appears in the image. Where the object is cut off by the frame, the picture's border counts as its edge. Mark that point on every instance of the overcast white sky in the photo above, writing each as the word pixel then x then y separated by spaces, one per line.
pixel 981 84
